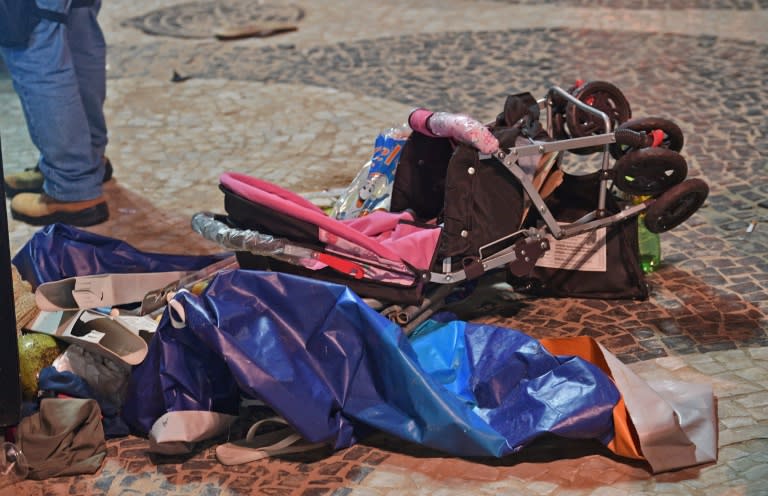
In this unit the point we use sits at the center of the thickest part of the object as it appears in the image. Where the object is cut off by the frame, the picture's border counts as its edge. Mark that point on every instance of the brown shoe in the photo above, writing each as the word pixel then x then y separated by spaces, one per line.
pixel 40 209
pixel 31 180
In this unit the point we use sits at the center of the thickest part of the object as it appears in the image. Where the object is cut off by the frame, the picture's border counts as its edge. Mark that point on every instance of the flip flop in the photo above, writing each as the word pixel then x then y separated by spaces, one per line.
pixel 95 332
pixel 101 290
pixel 257 447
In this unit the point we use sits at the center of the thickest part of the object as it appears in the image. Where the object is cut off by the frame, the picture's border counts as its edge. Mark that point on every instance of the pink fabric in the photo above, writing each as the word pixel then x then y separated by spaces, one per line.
pixel 378 233
pixel 416 245
pixel 375 224
pixel 244 184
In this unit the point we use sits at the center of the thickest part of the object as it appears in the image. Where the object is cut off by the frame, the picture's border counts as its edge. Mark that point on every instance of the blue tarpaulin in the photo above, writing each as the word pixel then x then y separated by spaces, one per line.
pixel 59 251
pixel 335 368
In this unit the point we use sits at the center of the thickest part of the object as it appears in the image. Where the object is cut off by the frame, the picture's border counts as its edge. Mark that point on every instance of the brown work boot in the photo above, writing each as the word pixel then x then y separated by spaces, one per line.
pixel 40 209
pixel 31 180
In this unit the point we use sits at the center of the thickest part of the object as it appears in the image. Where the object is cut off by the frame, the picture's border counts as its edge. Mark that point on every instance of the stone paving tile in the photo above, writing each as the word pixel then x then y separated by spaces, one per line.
pixel 301 110
pixel 461 71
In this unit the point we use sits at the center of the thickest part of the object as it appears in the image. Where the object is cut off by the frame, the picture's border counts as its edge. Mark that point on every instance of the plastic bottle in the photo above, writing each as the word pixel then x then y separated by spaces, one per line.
pixel 649 243
pixel 372 187
pixel 13 465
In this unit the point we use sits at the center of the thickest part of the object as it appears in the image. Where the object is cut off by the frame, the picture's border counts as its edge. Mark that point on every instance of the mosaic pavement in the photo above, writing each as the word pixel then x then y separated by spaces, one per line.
pixel 300 109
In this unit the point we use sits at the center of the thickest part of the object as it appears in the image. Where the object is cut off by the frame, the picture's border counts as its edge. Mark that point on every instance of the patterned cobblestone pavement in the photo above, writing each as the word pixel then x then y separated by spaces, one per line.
pixel 301 110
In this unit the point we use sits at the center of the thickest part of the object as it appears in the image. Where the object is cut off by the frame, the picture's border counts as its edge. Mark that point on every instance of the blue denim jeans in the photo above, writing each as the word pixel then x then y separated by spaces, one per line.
pixel 60 78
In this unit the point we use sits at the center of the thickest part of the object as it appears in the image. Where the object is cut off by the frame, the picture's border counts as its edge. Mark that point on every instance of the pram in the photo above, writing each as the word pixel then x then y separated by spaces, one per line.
pixel 459 212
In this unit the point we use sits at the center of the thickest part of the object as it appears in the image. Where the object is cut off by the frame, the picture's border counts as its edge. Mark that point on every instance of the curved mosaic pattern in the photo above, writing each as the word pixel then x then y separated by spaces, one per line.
pixel 651 4
pixel 200 19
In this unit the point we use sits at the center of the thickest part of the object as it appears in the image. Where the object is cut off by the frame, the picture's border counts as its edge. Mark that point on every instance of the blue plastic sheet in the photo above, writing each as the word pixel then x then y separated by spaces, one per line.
pixel 59 251
pixel 336 369
pixel 516 385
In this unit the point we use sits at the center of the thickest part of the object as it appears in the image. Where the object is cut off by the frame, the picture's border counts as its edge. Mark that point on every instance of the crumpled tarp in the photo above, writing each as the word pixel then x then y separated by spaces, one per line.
pixel 335 368
pixel 59 251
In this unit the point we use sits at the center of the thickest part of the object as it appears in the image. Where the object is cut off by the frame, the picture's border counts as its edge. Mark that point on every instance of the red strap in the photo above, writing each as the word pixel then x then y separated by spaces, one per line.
pixel 342 265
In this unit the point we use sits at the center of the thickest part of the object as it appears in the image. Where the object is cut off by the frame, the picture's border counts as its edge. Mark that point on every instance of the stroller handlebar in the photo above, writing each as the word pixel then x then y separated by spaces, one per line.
pixel 455 126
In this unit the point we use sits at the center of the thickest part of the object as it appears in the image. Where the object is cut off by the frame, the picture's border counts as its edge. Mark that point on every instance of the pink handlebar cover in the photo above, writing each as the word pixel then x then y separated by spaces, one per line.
pixel 456 126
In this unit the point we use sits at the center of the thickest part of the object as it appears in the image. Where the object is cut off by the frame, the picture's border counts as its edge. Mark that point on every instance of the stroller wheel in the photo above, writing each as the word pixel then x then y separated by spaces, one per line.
pixel 558 127
pixel 649 171
pixel 559 131
pixel 672 135
pixel 603 96
pixel 676 205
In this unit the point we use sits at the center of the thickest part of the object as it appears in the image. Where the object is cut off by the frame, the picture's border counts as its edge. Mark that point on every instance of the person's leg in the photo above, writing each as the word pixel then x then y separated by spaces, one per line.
pixel 44 77
pixel 89 50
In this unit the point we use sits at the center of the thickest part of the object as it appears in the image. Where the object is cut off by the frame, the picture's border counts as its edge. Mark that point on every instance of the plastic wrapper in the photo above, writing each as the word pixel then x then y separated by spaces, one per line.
pixel 248 240
pixel 341 369
pixel 372 187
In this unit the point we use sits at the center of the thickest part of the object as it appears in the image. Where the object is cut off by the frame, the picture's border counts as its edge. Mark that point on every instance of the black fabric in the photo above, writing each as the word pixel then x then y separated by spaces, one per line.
pixel 246 214
pixel 18 19
pixel 420 180
pixel 390 293
pixel 483 201
pixel 522 111
pixel 479 201
pixel 623 279
pixel 52 15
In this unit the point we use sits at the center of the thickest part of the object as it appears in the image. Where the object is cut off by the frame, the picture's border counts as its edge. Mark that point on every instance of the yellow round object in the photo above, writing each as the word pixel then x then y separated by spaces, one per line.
pixel 36 351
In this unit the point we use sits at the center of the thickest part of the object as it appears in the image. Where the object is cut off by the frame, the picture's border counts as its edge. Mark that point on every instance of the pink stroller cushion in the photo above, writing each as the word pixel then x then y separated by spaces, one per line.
pixel 390 236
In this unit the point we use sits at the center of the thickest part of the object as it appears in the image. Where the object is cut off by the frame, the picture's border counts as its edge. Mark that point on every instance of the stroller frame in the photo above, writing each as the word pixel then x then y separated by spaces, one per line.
pixel 521 249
